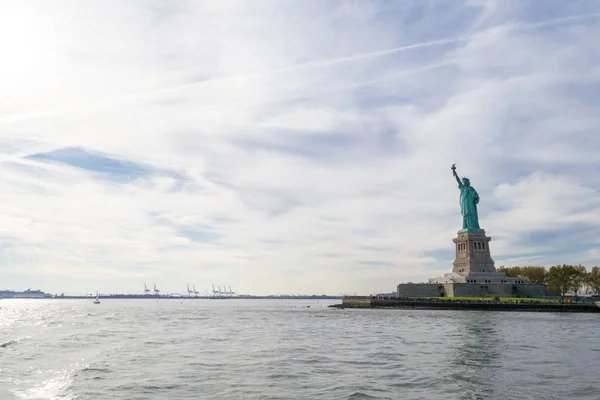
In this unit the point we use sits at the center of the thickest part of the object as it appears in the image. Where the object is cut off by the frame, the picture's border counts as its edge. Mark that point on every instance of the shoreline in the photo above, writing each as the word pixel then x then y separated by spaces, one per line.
pixel 373 303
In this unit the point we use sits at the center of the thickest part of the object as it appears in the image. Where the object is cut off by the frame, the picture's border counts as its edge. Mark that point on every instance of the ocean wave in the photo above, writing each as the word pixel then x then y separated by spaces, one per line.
pixel 91 369
pixel 13 341
pixel 361 395
pixel 6 344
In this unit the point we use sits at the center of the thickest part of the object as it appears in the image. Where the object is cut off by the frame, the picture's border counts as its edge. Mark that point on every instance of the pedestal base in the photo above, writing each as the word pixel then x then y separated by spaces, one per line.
pixel 472 253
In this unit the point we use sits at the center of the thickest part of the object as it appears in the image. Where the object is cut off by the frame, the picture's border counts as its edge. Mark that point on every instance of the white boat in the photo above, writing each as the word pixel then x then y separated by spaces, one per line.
pixel 96 301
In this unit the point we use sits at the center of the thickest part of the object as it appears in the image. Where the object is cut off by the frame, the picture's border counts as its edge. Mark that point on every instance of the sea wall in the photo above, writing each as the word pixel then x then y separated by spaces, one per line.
pixel 422 290
pixel 530 306
pixel 470 290
pixel 357 301
pixel 498 289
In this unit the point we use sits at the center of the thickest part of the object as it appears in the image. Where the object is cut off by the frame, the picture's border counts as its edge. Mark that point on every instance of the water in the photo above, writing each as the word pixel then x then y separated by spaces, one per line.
pixel 273 349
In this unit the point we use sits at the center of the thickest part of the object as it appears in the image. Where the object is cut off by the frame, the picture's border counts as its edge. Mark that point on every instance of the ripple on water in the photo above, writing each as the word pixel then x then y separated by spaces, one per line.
pixel 6 344
pixel 13 342
pixel 96 370
pixel 361 395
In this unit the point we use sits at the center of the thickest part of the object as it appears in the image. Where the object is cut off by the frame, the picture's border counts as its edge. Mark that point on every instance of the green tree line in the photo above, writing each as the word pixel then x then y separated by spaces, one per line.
pixel 559 278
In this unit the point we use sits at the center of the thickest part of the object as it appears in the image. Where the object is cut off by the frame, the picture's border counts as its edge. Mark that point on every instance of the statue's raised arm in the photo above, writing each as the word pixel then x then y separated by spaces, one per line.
pixel 456 176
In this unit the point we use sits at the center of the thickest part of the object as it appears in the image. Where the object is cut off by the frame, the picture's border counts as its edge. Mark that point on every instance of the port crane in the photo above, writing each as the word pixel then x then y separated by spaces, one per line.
pixel 224 292
pixel 195 291
pixel 146 290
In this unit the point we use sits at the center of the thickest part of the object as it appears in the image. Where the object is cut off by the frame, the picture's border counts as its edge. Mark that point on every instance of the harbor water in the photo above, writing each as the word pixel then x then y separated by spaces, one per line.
pixel 284 349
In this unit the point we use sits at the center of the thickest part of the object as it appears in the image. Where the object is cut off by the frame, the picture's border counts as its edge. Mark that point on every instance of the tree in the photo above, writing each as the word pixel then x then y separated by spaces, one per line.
pixel 510 271
pixel 593 280
pixel 578 278
pixel 561 278
pixel 533 274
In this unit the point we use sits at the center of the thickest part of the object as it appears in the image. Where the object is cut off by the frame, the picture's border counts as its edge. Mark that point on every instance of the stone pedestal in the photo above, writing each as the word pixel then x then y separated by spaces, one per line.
pixel 472 253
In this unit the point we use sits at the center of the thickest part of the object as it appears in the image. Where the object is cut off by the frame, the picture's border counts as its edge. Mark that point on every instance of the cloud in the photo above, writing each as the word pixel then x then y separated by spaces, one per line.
pixel 100 164
pixel 298 147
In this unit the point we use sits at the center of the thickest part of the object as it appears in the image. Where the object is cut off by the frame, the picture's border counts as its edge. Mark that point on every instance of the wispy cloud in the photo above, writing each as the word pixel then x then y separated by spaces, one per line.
pixel 100 164
pixel 292 147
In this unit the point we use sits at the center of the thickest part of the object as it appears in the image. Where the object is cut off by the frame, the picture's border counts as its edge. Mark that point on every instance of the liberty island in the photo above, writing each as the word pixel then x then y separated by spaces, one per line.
pixel 473 280
pixel 473 273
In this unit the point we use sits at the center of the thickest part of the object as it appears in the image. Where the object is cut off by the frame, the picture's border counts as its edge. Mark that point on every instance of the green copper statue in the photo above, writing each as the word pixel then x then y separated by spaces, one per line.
pixel 468 203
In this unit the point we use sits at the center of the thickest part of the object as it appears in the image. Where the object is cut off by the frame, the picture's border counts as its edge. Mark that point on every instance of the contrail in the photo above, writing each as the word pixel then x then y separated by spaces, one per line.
pixel 518 26
pixel 557 21
pixel 379 53
pixel 183 87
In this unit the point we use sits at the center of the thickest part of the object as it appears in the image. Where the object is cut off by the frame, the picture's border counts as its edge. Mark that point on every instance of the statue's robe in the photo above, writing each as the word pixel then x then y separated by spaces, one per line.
pixel 468 207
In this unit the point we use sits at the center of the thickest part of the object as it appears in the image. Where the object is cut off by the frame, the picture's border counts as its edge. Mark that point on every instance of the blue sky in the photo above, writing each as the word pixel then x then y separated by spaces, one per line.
pixel 292 146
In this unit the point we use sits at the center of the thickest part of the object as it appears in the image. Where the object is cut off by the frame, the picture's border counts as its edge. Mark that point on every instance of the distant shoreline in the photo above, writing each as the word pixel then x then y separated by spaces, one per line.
pixel 153 297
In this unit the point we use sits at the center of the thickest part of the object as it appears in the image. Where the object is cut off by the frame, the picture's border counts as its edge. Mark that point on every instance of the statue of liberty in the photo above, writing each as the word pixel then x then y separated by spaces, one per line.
pixel 468 203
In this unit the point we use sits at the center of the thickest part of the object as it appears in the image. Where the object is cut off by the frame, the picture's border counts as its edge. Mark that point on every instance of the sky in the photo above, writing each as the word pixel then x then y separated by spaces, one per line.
pixel 293 146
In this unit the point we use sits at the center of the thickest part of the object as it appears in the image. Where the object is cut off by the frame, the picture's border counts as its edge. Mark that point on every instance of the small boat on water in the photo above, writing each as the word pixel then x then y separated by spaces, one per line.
pixel 96 301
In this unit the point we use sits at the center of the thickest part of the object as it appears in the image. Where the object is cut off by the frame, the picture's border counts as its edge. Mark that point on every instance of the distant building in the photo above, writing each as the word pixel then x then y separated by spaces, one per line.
pixel 27 294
